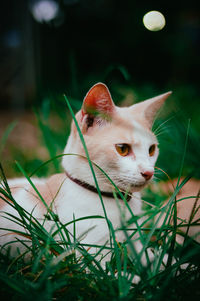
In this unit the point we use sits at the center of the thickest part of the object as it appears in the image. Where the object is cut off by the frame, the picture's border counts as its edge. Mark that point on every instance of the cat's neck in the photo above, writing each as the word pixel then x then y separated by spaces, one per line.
pixel 77 167
pixel 120 195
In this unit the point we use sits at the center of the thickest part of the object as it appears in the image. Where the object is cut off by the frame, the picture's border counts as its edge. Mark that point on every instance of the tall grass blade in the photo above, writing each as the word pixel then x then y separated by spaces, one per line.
pixel 5 136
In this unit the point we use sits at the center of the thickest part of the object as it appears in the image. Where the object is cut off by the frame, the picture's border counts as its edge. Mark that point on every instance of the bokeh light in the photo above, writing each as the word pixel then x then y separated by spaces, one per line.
pixel 45 10
pixel 154 20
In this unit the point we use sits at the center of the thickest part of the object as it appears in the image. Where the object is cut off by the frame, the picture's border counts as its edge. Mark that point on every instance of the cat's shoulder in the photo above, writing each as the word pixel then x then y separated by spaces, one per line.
pixel 55 182
pixel 48 189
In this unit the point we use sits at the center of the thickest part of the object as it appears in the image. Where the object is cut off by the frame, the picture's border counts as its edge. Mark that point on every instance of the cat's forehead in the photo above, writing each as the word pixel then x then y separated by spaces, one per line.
pixel 130 128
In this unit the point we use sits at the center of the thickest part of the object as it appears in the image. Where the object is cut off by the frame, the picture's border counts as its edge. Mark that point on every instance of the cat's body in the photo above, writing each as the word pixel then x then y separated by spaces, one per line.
pixel 70 201
pixel 121 142
pixel 188 206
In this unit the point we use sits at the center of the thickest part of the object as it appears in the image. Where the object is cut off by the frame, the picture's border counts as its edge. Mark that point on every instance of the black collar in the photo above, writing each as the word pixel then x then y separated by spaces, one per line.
pixel 93 189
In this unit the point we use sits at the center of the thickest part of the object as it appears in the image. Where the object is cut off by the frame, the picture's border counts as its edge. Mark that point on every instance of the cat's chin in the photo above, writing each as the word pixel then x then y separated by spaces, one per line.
pixel 137 187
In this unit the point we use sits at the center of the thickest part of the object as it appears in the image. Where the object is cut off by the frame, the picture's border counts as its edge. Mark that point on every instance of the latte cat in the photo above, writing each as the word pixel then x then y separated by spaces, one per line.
pixel 121 142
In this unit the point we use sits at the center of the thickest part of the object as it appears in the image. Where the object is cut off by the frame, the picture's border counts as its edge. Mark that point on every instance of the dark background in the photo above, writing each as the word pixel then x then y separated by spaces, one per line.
pixel 96 40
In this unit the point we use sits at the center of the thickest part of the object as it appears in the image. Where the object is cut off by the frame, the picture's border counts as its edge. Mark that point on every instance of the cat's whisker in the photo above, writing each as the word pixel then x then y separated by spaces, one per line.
pixel 162 131
pixel 157 171
pixel 162 124
pixel 156 178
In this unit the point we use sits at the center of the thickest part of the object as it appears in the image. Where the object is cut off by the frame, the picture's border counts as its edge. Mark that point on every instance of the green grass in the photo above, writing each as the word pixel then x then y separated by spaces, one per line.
pixel 61 267
pixel 64 269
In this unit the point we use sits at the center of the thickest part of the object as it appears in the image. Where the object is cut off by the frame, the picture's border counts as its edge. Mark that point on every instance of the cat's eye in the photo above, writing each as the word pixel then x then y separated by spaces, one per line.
pixel 152 150
pixel 123 149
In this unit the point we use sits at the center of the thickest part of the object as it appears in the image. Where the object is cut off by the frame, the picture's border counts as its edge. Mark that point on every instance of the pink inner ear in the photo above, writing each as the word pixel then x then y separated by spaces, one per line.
pixel 98 100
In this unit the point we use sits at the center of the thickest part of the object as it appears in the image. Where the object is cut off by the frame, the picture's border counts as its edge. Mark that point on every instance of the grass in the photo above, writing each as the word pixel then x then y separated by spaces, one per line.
pixel 61 267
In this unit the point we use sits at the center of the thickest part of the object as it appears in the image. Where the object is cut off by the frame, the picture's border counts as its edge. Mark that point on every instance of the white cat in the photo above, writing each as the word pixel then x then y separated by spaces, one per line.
pixel 121 142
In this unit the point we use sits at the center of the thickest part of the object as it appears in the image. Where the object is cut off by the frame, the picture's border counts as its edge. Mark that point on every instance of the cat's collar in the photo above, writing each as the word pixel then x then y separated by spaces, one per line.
pixel 94 189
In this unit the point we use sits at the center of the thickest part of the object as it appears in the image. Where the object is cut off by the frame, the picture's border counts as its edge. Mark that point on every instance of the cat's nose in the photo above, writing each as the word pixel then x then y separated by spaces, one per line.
pixel 147 174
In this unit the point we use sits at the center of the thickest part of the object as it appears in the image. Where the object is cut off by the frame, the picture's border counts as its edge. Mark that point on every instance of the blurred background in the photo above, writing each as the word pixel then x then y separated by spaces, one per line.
pixel 52 47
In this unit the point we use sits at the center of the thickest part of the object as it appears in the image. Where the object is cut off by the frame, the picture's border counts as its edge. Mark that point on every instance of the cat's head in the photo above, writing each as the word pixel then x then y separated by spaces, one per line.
pixel 119 140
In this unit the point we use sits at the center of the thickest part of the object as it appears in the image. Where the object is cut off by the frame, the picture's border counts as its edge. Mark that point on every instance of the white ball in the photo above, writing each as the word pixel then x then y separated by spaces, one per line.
pixel 154 20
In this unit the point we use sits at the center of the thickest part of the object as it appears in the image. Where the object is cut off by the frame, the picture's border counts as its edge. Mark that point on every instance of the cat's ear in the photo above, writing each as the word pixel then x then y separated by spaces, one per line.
pixel 145 111
pixel 97 103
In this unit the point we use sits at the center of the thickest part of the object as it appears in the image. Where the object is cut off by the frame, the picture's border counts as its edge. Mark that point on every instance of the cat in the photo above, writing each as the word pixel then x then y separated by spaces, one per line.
pixel 121 142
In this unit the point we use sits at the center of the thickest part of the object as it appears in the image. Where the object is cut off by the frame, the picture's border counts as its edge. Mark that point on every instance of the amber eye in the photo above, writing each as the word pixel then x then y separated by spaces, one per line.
pixel 152 150
pixel 123 149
